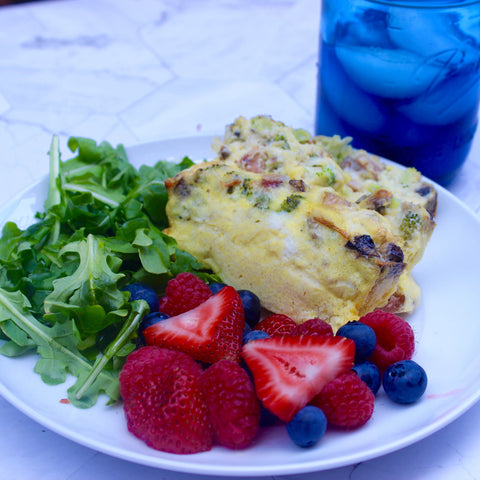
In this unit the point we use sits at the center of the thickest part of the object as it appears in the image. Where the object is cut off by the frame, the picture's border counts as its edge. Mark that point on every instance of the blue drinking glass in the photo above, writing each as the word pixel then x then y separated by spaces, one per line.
pixel 402 78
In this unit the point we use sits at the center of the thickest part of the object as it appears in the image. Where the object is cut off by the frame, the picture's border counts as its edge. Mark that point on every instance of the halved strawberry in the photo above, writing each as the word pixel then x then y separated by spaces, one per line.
pixel 209 333
pixel 289 371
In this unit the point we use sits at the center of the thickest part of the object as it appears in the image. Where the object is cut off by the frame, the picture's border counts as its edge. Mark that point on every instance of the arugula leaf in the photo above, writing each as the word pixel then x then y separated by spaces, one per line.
pixel 93 283
pixel 56 345
pixel 115 348
pixel 90 152
pixel 54 195
pixel 155 250
pixel 61 279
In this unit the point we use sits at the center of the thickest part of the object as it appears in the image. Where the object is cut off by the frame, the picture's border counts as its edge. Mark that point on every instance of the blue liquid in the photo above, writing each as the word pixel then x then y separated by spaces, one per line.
pixel 417 106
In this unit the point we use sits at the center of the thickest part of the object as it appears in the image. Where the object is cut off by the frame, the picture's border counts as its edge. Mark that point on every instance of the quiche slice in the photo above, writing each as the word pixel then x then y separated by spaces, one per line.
pixel 310 230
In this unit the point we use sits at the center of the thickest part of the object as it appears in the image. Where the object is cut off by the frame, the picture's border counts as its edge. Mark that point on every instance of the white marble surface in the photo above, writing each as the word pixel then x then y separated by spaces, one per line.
pixel 132 71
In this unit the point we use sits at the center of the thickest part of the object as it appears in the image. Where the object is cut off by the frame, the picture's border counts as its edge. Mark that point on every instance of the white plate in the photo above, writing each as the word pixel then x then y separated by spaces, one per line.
pixel 446 326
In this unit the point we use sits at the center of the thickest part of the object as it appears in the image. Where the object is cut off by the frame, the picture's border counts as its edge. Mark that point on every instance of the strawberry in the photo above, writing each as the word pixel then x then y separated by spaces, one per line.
pixel 289 371
pixel 163 401
pixel 210 332
pixel 276 325
pixel 233 407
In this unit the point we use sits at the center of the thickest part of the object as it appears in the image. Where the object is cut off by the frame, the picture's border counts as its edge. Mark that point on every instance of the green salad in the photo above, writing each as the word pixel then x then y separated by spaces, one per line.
pixel 62 279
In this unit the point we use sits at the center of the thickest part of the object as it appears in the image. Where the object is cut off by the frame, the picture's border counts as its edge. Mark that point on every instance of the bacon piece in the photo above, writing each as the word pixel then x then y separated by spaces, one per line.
pixel 253 162
pixel 272 181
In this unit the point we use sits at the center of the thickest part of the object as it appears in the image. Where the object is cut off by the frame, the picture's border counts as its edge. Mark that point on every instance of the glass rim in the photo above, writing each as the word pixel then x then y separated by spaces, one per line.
pixel 432 4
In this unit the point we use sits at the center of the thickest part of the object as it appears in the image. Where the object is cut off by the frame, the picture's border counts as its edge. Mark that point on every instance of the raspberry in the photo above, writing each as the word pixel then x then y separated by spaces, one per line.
pixel 314 326
pixel 276 325
pixel 183 293
pixel 233 407
pixel 395 338
pixel 346 401
pixel 163 401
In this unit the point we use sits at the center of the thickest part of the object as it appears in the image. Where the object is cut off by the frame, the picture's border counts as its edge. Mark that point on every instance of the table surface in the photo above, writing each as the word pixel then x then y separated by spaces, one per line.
pixel 133 72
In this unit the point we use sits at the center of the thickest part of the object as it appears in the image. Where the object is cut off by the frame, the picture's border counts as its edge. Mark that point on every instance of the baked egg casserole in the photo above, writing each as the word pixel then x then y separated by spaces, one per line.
pixel 311 225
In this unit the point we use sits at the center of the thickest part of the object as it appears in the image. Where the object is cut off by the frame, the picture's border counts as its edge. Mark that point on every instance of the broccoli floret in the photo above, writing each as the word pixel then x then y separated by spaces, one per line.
pixel 410 223
pixel 409 177
pixel 291 203
pixel 282 141
pixel 302 135
pixel 262 202
pixel 336 146
pixel 261 123
pixel 327 175
pixel 246 188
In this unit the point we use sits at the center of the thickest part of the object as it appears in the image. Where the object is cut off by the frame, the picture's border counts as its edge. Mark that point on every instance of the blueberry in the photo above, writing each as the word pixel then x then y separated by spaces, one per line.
pixel 148 321
pixel 254 335
pixel 405 381
pixel 142 291
pixel 307 427
pixel 216 287
pixel 251 306
pixel 246 329
pixel 248 336
pixel 152 319
pixel 369 373
pixel 363 336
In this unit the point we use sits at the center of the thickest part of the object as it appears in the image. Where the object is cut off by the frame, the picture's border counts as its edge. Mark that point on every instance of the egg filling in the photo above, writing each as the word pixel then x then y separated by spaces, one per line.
pixel 312 226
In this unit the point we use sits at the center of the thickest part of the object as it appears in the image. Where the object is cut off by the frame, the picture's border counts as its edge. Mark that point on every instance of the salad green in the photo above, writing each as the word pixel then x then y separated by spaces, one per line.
pixel 62 278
